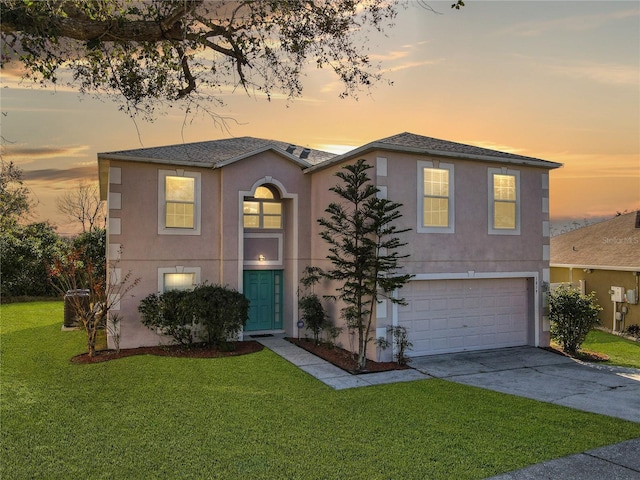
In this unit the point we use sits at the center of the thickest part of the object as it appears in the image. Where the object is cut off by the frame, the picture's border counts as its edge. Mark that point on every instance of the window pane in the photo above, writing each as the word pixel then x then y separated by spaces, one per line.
pixel 274 221
pixel 504 187
pixel 263 192
pixel 179 215
pixel 436 182
pixel 180 189
pixel 436 212
pixel 251 221
pixel 272 208
pixel 251 208
pixel 178 281
pixel 504 215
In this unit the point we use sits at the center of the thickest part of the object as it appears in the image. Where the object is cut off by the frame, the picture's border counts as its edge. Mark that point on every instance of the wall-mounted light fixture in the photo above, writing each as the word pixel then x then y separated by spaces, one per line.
pixel 261 258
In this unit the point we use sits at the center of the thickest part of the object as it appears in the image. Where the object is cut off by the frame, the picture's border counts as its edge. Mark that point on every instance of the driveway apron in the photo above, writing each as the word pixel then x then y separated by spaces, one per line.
pixel 542 375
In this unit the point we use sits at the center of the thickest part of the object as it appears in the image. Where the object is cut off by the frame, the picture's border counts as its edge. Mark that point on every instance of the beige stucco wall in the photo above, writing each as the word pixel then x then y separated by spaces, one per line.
pixel 305 197
pixel 144 250
pixel 600 282
pixel 471 247
pixel 294 188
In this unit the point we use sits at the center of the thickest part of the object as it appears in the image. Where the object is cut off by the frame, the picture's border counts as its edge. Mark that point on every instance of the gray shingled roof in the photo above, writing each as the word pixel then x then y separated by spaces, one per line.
pixel 407 139
pixel 216 152
pixel 612 243
pixel 412 143
pixel 220 152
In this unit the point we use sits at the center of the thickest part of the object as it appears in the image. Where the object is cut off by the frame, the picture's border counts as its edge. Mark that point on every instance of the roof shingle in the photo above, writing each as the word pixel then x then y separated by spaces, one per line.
pixel 612 243
pixel 214 152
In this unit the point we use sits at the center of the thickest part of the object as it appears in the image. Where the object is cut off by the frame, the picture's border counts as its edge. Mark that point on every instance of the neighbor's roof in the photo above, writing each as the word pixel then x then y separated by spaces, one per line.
pixel 610 245
pixel 216 153
pixel 412 143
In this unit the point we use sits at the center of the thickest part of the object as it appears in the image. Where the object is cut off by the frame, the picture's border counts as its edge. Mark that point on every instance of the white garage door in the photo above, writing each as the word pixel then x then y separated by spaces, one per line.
pixel 445 316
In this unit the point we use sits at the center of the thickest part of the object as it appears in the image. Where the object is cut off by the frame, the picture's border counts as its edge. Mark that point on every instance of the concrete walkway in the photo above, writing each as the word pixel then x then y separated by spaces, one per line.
pixel 524 371
pixel 331 375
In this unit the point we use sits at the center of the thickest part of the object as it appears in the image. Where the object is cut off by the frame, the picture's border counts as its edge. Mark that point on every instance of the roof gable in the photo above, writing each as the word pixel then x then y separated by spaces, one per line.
pixel 612 243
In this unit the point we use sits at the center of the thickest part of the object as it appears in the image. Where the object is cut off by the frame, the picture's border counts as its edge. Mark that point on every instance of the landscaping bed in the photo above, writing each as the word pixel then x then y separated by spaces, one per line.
pixel 200 350
pixel 344 359
pixel 584 355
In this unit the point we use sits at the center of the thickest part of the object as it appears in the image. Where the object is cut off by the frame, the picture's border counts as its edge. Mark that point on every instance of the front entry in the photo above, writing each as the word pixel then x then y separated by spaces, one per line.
pixel 263 288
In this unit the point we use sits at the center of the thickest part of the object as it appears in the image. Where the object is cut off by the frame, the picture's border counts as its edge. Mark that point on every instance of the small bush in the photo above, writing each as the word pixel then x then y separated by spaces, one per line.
pixel 572 316
pixel 313 315
pixel 633 331
pixel 401 342
pixel 168 313
pixel 221 311
pixel 210 313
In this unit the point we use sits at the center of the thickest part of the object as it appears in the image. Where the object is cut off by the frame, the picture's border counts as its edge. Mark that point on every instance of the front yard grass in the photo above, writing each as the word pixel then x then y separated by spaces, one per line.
pixel 622 352
pixel 255 416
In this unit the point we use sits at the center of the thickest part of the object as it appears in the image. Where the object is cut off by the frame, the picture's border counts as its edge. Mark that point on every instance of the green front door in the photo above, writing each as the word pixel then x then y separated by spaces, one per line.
pixel 263 288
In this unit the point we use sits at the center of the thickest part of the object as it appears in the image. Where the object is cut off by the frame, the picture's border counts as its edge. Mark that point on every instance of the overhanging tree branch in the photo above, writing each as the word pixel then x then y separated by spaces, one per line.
pixel 155 51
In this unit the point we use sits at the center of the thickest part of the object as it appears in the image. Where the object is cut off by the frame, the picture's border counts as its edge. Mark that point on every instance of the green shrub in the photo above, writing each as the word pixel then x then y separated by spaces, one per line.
pixel 221 311
pixel 313 314
pixel 210 313
pixel 572 316
pixel 168 313
pixel 401 342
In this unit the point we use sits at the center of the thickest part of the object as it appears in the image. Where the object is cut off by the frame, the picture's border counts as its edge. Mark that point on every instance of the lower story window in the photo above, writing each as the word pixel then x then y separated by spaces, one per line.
pixel 178 278
pixel 179 281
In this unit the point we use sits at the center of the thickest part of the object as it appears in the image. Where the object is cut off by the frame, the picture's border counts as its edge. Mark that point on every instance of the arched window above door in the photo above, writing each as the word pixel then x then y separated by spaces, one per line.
pixel 263 210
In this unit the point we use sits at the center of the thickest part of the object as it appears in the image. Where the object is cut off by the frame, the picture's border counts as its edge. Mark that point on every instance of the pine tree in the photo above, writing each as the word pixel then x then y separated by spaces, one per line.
pixel 363 248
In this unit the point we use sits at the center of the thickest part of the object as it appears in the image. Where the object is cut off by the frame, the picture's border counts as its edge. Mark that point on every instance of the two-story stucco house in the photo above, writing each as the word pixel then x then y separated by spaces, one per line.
pixel 242 212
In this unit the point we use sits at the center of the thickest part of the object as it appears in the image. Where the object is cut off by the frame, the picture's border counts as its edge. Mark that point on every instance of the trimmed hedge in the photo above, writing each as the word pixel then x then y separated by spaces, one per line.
pixel 209 313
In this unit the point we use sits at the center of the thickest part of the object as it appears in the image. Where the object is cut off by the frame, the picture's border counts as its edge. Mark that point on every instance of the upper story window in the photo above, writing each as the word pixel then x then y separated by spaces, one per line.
pixel 178 202
pixel 435 197
pixel 504 201
pixel 263 210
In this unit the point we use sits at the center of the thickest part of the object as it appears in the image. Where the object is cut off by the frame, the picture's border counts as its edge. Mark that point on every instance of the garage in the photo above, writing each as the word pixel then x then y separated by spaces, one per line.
pixel 444 316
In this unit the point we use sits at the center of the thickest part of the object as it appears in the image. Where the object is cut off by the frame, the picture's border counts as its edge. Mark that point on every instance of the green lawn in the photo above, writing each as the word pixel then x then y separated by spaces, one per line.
pixel 621 351
pixel 254 417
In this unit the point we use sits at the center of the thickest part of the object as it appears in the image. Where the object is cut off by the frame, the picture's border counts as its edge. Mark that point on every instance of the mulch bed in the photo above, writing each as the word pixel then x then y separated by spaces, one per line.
pixel 343 359
pixel 193 351
pixel 584 355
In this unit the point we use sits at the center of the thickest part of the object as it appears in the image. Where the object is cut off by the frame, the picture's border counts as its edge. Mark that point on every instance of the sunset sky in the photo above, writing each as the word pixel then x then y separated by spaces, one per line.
pixel 553 80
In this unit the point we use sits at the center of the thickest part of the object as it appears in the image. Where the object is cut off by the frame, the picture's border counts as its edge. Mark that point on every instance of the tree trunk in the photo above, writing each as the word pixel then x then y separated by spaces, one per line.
pixel 362 350
pixel 91 338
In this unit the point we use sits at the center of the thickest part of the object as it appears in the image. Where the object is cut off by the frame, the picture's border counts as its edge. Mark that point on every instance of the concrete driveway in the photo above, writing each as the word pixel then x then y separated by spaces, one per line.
pixel 535 373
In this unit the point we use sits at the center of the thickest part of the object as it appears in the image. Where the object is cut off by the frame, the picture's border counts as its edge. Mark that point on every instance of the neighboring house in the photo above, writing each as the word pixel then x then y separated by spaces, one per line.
pixel 602 256
pixel 242 212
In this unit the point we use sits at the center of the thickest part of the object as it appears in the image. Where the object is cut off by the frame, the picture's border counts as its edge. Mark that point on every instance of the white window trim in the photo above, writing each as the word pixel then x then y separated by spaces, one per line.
pixel 502 231
pixel 177 269
pixel 420 197
pixel 197 210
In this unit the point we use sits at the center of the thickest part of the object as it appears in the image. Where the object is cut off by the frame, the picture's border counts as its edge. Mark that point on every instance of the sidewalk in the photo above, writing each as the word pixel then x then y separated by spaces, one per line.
pixel 620 461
